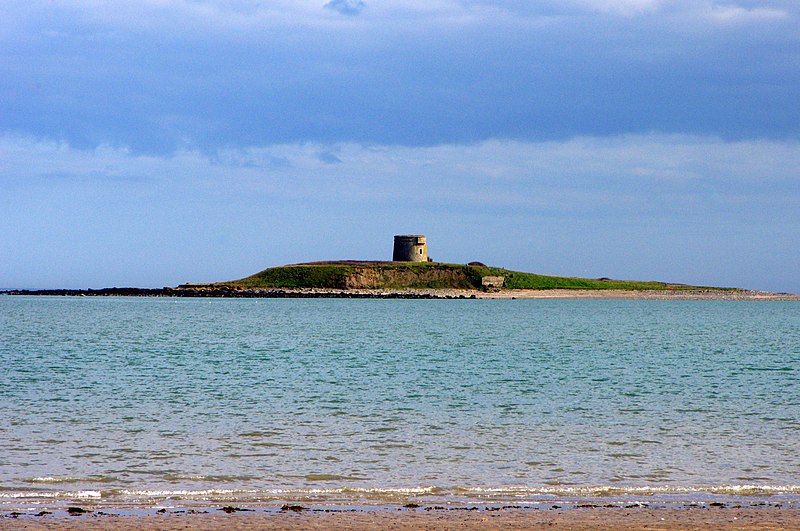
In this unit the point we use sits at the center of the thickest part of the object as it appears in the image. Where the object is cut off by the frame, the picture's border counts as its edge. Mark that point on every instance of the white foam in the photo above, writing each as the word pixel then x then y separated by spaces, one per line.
pixel 80 494
pixel 519 491
pixel 180 492
pixel 600 490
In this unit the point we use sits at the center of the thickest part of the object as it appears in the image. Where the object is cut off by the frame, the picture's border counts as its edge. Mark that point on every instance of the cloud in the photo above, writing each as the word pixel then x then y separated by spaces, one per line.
pixel 730 13
pixel 161 76
pixel 346 7
pixel 621 7
pixel 533 172
pixel 328 158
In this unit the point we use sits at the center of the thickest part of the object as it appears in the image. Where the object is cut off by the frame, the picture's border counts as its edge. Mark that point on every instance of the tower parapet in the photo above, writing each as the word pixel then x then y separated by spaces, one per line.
pixel 410 248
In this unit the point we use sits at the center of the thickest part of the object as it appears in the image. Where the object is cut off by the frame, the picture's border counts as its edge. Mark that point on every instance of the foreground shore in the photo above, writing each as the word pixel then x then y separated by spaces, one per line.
pixel 590 517
pixel 410 293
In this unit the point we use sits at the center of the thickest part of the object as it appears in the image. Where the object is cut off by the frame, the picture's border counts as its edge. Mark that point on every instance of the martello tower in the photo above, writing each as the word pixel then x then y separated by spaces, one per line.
pixel 410 248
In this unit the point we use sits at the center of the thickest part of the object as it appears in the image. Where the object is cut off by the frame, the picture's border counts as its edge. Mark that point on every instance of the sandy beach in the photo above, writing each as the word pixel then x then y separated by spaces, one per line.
pixel 561 294
pixel 697 295
pixel 728 518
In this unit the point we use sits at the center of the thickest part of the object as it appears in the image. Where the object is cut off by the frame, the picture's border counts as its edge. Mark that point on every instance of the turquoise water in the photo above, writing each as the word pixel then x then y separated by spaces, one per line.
pixel 149 400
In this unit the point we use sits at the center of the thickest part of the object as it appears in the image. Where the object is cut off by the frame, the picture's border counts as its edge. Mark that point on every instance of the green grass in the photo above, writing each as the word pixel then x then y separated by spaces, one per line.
pixel 297 276
pixel 333 275
pixel 520 280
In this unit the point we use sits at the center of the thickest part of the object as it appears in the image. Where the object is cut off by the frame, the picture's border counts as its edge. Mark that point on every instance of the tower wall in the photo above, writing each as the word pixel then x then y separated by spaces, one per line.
pixel 410 248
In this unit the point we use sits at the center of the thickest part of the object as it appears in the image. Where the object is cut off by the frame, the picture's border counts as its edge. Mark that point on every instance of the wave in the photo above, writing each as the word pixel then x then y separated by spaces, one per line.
pixel 209 478
pixel 454 494
pixel 58 480
pixel 602 491
pixel 35 495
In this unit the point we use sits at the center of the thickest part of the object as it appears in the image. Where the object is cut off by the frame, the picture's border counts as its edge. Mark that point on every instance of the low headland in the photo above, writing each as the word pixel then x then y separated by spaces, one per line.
pixel 423 280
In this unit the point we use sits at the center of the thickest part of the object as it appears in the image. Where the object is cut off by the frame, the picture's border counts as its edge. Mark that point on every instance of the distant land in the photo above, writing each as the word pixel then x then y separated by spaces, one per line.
pixel 422 280
pixel 367 279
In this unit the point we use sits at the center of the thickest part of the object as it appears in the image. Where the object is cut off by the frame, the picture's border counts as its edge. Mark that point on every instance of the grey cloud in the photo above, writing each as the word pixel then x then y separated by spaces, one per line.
pixel 280 162
pixel 328 158
pixel 434 78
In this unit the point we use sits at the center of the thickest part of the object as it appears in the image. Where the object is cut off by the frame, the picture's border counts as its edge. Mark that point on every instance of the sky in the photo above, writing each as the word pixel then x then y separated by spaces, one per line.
pixel 155 142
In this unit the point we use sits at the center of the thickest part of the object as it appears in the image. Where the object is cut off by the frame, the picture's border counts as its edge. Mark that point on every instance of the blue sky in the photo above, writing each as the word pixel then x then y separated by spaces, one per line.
pixel 158 142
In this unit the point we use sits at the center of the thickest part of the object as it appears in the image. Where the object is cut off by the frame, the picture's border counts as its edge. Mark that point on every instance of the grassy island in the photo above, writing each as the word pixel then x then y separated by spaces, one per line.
pixel 428 275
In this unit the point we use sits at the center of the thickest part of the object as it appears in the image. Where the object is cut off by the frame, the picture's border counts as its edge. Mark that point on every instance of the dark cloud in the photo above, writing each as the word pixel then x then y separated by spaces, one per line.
pixel 422 80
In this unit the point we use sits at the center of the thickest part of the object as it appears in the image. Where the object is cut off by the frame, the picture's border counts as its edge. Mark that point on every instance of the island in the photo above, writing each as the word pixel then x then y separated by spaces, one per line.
pixel 412 274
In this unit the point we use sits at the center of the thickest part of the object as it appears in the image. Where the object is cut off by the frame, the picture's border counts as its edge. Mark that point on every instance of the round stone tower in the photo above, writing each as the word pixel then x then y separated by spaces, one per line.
pixel 410 248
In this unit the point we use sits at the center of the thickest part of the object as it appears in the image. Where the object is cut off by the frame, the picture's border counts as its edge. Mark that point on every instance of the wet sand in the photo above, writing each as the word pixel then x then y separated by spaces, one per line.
pixel 727 518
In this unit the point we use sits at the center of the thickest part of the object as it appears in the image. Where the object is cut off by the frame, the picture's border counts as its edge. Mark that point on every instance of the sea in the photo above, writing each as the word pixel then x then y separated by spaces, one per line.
pixel 183 402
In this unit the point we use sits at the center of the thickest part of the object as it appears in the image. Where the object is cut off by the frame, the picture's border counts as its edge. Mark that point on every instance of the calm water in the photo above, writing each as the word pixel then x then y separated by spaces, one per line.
pixel 151 400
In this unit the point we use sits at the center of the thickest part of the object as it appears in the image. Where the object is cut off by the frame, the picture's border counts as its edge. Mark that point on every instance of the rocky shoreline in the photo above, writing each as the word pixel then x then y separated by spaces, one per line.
pixel 247 293
pixel 212 291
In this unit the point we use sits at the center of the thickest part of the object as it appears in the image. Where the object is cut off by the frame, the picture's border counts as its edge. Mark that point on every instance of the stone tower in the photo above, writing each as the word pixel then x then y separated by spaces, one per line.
pixel 410 248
